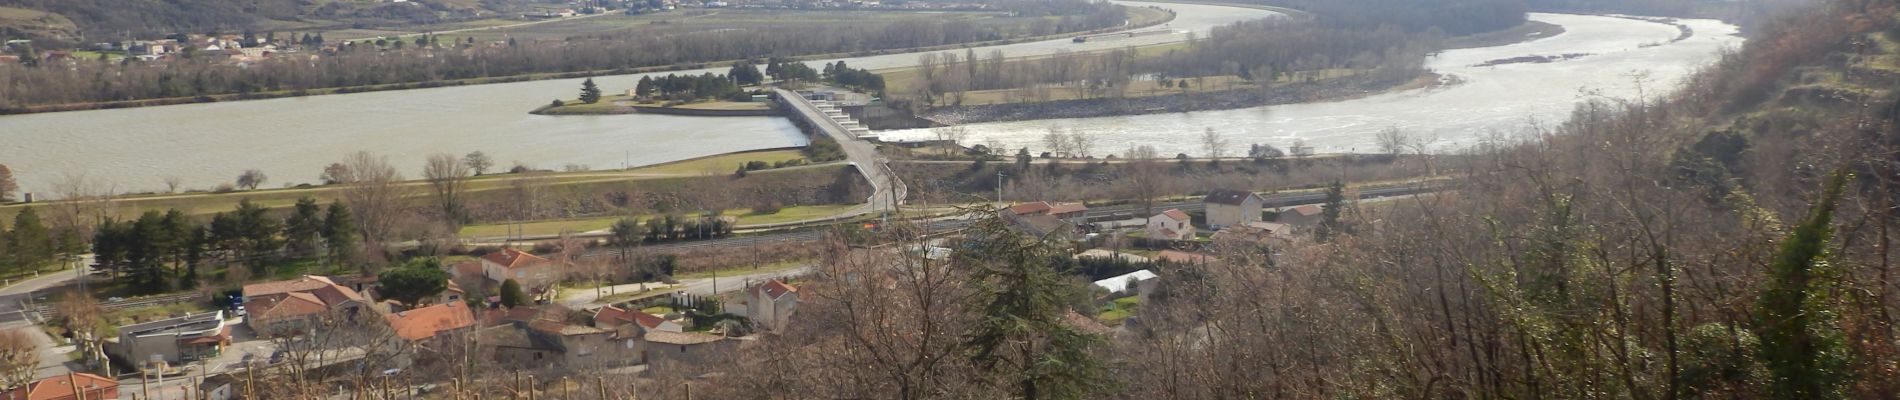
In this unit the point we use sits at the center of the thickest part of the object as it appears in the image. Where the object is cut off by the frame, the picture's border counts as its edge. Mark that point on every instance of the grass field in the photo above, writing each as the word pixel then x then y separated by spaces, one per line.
pixel 209 203
pixel 582 225
pixel 721 164
pixel 36 22
pixel 715 19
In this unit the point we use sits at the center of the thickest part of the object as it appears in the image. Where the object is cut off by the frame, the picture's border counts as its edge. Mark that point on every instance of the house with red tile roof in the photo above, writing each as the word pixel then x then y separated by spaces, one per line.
pixel 1303 216
pixel 88 387
pixel 1074 213
pixel 531 271
pixel 770 305
pixel 432 323
pixel 1170 225
pixel 611 317
pixel 1035 208
pixel 287 306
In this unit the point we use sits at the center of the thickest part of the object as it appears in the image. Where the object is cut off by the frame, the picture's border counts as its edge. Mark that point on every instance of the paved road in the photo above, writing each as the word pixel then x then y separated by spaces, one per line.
pixel 13 315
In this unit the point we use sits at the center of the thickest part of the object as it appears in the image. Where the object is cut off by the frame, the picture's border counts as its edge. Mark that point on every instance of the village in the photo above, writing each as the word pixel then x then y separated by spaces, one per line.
pixel 542 314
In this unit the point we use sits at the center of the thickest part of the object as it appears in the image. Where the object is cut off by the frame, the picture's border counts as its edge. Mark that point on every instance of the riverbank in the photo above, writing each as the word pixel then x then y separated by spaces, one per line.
pixel 1139 17
pixel 621 105
pixel 1304 92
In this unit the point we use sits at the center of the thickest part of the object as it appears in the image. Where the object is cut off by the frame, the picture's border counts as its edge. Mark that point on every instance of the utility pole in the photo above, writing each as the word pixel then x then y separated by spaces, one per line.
pixel 999 186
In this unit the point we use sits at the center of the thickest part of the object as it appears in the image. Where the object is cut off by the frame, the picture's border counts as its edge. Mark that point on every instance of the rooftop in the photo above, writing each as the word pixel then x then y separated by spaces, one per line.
pixel 1118 284
pixel 61 387
pixel 426 322
pixel 1029 208
pixel 210 322
pixel 1228 197
pixel 511 259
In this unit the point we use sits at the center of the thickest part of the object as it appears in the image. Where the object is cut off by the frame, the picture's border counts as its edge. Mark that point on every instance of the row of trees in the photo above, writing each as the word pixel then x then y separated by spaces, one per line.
pixel 1262 50
pixel 629 232
pixel 101 81
pixel 160 250
pixel 840 74
pixel 686 87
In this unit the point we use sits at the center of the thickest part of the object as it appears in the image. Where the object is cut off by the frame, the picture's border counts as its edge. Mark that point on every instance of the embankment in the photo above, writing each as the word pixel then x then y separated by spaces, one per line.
pixel 1327 90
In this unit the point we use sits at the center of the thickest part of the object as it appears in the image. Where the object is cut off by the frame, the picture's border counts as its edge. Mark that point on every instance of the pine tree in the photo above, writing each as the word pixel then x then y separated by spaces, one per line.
pixel 303 227
pixel 339 232
pixel 31 244
pixel 590 93
pixel 1329 223
pixel 1021 335
pixel 644 88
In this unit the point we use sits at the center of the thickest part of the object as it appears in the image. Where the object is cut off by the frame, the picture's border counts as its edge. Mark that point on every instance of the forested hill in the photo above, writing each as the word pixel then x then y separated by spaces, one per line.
pixel 100 20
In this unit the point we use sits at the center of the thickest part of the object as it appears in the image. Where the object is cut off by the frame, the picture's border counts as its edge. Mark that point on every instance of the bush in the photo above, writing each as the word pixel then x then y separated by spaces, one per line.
pixel 558 103
pixel 767 206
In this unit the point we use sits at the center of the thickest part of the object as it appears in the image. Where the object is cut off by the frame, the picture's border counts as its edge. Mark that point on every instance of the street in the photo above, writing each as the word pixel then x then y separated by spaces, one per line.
pixel 54 359
pixel 697 287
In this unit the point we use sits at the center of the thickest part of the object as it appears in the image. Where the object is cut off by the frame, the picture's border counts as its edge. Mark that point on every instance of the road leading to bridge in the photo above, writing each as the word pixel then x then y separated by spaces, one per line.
pixel 888 191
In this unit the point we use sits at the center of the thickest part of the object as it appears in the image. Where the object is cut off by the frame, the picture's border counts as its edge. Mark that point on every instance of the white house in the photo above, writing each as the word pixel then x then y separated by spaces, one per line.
pixel 1170 225
pixel 1232 208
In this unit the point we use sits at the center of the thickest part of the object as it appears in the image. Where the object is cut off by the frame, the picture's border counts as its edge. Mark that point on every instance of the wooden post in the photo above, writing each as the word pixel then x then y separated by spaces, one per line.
pixel 458 389
pixel 250 377
pixel 74 382
pixel 517 387
pixel 601 383
pixel 564 394
pixel 144 389
pixel 530 387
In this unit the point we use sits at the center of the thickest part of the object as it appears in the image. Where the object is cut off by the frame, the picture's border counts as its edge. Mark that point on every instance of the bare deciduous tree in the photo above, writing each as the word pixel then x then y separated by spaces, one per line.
pixel 1144 176
pixel 1392 141
pixel 336 173
pixel 1213 143
pixel 172 182
pixel 1082 142
pixel 251 179
pixel 478 162
pixel 19 358
pixel 375 194
pixel 447 178
pixel 7 184
pixel 84 318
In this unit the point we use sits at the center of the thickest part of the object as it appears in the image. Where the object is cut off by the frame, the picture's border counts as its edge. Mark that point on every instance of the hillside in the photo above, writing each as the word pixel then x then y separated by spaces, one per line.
pixel 1729 240
pixel 100 20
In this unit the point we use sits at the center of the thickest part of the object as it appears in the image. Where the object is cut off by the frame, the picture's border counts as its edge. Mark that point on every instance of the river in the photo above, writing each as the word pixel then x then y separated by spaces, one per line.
pixel 1500 99
pixel 291 139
